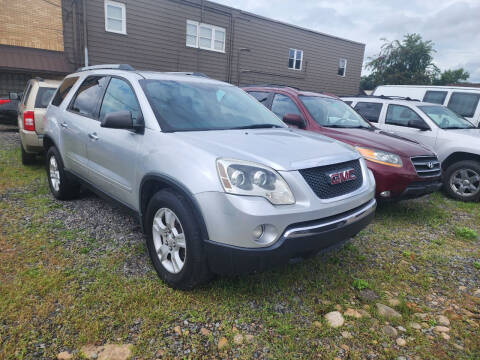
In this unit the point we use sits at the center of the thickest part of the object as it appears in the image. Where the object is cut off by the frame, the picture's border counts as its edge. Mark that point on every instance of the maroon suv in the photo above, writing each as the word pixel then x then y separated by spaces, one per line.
pixel 402 168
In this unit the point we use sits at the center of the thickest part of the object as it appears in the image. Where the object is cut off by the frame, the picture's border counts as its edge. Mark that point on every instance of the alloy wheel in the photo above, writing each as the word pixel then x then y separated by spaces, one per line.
pixel 465 182
pixel 169 240
pixel 54 174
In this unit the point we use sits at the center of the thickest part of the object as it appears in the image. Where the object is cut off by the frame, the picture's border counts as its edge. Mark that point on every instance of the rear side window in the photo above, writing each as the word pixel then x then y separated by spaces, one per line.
pixel 44 95
pixel 370 111
pixel 63 90
pixel 120 97
pixel 88 95
pixel 400 115
pixel 436 97
pixel 26 94
pixel 464 104
pixel 348 102
pixel 284 105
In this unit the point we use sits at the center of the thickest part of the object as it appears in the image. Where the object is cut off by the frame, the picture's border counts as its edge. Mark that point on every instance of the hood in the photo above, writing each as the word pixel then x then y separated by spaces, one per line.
pixel 281 149
pixel 380 140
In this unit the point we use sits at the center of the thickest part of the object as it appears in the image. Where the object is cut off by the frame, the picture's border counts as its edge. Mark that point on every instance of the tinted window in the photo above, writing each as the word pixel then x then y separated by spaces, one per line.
pixel 370 111
pixel 260 96
pixel 284 105
pixel 348 102
pixel 119 97
pixel 464 104
pixel 191 106
pixel 436 97
pixel 400 115
pixel 63 90
pixel 88 94
pixel 44 95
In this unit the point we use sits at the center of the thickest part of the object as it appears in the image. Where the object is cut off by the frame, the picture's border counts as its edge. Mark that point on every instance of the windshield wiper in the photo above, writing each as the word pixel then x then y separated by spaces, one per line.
pixel 256 126
pixel 346 127
pixel 457 128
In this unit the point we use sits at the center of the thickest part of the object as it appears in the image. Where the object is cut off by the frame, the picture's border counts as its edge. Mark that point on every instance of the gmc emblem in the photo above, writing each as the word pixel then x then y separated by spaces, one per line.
pixel 342 176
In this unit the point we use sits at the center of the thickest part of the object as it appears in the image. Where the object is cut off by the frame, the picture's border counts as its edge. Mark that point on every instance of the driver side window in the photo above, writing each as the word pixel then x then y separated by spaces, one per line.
pixel 400 115
pixel 282 105
pixel 120 97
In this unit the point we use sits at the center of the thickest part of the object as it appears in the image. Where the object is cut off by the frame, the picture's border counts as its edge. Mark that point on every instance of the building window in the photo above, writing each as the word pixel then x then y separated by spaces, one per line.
pixel 204 36
pixel 295 59
pixel 342 67
pixel 115 17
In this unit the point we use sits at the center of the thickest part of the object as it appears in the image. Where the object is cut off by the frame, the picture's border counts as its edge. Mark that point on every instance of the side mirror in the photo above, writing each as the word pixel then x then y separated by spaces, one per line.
pixel 120 120
pixel 294 120
pixel 13 96
pixel 418 124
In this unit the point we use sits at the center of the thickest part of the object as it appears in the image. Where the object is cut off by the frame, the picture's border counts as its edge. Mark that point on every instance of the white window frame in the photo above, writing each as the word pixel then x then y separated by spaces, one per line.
pixel 344 68
pixel 213 28
pixel 295 59
pixel 123 19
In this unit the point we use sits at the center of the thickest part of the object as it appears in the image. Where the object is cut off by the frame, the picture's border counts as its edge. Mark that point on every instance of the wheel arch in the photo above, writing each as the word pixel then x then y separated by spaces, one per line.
pixel 152 183
pixel 459 156
pixel 48 143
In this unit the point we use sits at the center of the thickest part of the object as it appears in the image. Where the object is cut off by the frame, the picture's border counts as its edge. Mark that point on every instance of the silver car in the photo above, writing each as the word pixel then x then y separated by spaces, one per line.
pixel 454 139
pixel 218 182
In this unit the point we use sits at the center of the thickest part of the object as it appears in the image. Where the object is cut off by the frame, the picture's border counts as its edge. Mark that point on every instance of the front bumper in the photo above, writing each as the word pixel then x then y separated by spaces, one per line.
pixel 421 188
pixel 297 239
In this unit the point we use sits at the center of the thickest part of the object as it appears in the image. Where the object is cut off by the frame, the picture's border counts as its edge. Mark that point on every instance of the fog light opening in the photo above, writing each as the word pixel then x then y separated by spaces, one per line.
pixel 385 194
pixel 258 232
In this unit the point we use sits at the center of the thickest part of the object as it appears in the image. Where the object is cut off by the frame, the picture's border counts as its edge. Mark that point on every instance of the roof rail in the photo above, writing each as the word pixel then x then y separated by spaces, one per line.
pixel 383 97
pixel 199 74
pixel 272 85
pixel 107 66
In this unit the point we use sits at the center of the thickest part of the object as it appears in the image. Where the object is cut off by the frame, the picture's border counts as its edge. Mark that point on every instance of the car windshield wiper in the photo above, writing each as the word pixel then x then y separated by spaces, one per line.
pixel 346 127
pixel 256 126
pixel 457 128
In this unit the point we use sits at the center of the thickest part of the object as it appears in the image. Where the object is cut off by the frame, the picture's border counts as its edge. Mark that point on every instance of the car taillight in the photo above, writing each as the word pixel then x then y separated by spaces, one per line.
pixel 28 121
pixel 4 101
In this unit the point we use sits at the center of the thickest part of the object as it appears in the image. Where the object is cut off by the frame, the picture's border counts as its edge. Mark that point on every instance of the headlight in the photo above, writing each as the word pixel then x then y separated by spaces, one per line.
pixel 381 157
pixel 247 178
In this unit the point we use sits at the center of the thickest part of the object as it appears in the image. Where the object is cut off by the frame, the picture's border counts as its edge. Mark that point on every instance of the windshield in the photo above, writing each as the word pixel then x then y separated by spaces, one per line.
pixel 195 106
pixel 445 118
pixel 330 112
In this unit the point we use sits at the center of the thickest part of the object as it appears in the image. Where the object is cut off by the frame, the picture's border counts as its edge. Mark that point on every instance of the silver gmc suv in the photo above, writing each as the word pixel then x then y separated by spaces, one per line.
pixel 218 182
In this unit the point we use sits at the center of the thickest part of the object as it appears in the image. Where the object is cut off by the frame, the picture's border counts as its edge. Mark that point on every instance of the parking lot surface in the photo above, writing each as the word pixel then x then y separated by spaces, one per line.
pixel 76 273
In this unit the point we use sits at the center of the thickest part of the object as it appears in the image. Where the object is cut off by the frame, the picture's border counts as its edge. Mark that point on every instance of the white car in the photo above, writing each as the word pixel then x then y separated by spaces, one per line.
pixel 455 140
pixel 462 100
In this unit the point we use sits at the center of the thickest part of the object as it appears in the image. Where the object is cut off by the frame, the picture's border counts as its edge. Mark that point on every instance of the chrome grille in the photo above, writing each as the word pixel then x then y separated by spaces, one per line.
pixel 427 166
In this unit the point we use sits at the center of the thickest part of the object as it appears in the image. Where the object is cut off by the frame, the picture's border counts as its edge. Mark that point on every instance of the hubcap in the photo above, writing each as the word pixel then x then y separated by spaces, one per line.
pixel 54 174
pixel 465 182
pixel 169 240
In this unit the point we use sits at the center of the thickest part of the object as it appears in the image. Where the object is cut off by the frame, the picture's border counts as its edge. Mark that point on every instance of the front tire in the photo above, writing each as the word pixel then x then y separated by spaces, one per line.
pixel 462 180
pixel 174 241
pixel 60 185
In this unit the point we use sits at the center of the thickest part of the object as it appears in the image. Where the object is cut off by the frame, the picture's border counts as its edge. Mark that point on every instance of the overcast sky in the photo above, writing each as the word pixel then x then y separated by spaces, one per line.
pixel 453 25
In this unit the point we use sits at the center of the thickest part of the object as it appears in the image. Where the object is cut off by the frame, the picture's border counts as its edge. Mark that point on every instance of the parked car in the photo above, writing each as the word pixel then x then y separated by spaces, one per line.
pixel 31 112
pixel 208 171
pixel 8 109
pixel 453 138
pixel 462 100
pixel 398 164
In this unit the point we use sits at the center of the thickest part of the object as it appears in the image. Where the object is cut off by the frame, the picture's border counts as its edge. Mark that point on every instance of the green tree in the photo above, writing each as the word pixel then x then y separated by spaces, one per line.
pixel 451 77
pixel 409 61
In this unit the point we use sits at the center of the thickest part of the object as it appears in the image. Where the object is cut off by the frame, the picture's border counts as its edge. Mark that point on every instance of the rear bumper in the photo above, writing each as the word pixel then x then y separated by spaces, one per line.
pixel 31 141
pixel 297 239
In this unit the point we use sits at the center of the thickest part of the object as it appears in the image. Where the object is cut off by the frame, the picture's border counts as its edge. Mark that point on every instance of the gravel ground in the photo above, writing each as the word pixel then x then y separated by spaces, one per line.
pixel 92 223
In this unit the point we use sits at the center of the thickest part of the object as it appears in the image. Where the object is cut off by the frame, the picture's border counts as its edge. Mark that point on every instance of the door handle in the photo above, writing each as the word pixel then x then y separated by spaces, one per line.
pixel 64 125
pixel 93 136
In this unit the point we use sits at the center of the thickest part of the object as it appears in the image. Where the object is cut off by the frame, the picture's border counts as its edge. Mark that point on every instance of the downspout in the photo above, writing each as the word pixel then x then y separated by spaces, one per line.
pixel 74 32
pixel 85 37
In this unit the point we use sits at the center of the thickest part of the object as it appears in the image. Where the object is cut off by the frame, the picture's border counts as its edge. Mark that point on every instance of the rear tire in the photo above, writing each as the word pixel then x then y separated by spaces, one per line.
pixel 61 186
pixel 462 180
pixel 27 159
pixel 174 241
